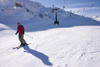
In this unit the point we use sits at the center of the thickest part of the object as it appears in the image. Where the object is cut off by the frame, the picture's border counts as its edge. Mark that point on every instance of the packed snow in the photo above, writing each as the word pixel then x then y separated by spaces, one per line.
pixel 96 18
pixel 75 42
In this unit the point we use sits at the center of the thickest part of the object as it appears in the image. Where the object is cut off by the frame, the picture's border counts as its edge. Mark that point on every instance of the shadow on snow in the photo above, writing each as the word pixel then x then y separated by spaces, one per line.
pixel 43 57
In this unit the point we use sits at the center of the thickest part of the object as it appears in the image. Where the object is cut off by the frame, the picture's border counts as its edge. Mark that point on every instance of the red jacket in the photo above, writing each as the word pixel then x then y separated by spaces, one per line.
pixel 20 29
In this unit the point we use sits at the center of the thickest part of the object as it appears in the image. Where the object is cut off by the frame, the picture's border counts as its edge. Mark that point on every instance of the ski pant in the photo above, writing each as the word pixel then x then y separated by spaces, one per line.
pixel 21 39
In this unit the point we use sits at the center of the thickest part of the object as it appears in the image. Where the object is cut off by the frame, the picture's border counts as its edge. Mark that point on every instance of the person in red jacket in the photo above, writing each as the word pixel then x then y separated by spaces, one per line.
pixel 20 30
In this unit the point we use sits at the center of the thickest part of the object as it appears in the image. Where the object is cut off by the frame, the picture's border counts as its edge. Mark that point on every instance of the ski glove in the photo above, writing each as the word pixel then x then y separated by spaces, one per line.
pixel 16 33
pixel 23 32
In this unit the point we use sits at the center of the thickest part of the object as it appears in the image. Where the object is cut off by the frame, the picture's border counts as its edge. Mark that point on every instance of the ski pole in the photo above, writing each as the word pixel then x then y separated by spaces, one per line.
pixel 29 36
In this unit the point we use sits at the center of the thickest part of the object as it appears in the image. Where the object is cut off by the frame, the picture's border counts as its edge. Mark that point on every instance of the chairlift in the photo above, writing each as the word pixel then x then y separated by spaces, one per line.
pixel 91 6
pixel 70 13
pixel 56 22
pixel 83 9
pixel 53 8
pixel 63 6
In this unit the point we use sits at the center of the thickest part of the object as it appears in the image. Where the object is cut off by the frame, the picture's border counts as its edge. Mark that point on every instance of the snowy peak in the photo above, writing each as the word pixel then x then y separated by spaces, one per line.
pixel 15 5
pixel 9 3
pixel 18 10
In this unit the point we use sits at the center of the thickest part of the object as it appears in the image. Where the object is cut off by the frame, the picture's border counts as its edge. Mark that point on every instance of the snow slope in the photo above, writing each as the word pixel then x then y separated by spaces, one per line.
pixel 73 43
pixel 59 47
pixel 96 18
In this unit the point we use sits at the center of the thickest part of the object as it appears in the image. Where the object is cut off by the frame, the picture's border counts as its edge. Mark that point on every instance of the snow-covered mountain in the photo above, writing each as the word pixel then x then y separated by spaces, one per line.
pixel 33 11
pixel 19 13
pixel 75 42
pixel 96 18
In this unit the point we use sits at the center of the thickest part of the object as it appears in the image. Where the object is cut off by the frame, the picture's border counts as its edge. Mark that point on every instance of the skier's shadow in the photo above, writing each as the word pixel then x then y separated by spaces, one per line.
pixel 43 57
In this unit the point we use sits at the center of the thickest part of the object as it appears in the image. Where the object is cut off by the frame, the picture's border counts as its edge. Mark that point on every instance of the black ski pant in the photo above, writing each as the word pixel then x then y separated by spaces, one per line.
pixel 21 39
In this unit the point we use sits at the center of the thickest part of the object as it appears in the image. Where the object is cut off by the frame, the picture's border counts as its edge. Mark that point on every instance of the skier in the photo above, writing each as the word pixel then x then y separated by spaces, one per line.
pixel 20 30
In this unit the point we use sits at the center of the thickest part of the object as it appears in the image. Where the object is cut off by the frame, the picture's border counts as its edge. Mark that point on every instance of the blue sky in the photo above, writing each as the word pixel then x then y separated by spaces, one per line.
pixel 88 8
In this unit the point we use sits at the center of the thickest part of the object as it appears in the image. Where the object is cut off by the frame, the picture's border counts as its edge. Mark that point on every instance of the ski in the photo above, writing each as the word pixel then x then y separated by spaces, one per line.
pixel 19 46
